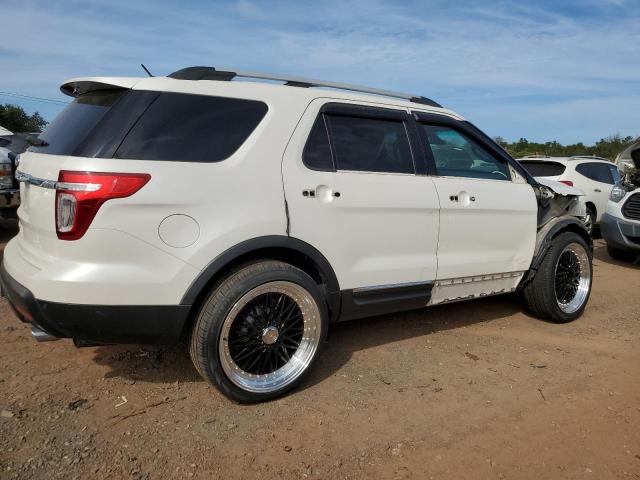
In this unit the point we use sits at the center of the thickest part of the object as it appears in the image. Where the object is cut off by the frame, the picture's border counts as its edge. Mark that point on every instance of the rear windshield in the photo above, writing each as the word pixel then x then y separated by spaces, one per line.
pixel 539 168
pixel 144 125
pixel 71 127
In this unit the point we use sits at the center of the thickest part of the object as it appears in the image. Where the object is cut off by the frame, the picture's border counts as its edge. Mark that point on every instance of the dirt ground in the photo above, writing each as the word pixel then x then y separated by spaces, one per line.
pixel 472 390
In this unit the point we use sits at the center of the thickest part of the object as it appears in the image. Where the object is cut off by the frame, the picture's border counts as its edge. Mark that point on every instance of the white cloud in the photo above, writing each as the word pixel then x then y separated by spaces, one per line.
pixel 499 63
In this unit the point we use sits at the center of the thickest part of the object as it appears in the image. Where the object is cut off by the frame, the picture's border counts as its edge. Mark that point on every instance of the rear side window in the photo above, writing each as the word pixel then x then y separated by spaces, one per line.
pixel 539 168
pixel 598 172
pixel 143 125
pixel 192 128
pixel 370 144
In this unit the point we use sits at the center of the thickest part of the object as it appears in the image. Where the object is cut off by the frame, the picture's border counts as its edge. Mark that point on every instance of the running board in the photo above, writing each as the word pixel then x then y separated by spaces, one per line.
pixel 467 288
pixel 383 299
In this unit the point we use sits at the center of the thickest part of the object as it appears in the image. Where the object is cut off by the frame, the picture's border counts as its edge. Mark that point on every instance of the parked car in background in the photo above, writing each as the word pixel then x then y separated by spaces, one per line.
pixel 593 175
pixel 9 191
pixel 621 222
pixel 295 207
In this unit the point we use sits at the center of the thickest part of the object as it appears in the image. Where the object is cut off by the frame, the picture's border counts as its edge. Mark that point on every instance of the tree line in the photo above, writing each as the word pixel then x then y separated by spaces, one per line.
pixel 608 147
pixel 15 119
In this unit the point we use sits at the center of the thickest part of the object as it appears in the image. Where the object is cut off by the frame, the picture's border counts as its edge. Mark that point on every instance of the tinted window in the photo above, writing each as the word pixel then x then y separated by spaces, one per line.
pixel 539 168
pixel 370 144
pixel 457 155
pixel 191 128
pixel 615 174
pixel 598 172
pixel 317 152
pixel 65 133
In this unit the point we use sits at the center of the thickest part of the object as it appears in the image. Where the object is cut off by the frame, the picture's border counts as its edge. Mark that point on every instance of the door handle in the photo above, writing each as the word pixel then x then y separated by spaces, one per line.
pixel 597 190
pixel 462 197
pixel 322 192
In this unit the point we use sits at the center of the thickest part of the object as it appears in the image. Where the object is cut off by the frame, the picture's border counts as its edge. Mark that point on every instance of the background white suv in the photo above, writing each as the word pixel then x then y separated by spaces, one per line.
pixel 593 175
pixel 247 216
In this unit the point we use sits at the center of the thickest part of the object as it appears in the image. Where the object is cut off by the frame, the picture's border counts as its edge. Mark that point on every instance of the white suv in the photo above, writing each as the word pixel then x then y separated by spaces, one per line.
pixel 247 216
pixel 595 176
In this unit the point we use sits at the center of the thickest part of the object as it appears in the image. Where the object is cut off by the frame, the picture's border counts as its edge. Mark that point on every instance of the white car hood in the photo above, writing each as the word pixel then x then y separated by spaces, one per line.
pixel 558 187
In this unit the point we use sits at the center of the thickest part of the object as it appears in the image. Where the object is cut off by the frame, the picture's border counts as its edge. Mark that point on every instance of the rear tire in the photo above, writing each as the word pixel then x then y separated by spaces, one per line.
pixel 621 255
pixel 560 290
pixel 259 331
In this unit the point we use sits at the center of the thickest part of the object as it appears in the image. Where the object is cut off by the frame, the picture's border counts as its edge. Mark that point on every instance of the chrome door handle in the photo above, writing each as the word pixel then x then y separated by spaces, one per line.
pixel 465 196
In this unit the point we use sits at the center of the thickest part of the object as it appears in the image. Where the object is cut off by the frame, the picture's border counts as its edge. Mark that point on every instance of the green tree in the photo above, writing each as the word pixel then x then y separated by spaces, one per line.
pixel 14 118
pixel 607 147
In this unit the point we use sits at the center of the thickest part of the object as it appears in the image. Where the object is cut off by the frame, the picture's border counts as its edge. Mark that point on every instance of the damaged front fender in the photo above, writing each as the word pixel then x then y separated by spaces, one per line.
pixel 556 200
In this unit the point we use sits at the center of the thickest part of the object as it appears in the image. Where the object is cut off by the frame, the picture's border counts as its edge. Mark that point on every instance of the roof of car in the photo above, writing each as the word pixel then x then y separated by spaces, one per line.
pixel 211 81
pixel 547 158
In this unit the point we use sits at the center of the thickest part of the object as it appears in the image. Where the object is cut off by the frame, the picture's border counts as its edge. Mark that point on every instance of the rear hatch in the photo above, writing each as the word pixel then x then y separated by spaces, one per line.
pixel 106 144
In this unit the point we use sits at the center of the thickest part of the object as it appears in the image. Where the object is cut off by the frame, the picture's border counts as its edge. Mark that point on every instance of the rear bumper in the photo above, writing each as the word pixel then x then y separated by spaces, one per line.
pixel 620 233
pixel 96 323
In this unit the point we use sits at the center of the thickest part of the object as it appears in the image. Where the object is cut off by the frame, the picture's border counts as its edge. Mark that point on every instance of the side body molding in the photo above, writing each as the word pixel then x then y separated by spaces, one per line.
pixel 266 244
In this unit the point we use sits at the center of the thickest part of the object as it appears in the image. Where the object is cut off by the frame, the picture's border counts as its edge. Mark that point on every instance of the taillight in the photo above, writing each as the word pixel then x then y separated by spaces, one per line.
pixel 79 195
pixel 567 182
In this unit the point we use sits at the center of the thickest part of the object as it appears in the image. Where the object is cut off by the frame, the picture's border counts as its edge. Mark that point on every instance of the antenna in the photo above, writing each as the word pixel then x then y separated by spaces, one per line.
pixel 146 69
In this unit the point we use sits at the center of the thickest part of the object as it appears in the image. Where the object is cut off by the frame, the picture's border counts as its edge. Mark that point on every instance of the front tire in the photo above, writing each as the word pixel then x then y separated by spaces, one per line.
pixel 259 331
pixel 620 254
pixel 562 285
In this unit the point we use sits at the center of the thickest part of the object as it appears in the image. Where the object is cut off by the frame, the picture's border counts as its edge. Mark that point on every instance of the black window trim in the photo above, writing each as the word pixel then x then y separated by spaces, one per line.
pixel 471 131
pixel 368 112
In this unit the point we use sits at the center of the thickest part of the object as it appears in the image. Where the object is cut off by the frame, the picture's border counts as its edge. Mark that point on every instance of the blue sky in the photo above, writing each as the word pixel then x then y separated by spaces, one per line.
pixel 543 70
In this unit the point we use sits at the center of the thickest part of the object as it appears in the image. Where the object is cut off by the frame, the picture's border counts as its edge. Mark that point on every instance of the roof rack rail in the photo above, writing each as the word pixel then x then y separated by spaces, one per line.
pixel 211 73
pixel 588 157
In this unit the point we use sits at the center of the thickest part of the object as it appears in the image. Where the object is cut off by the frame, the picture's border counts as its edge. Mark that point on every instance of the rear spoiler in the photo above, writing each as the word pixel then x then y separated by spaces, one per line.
pixel 79 86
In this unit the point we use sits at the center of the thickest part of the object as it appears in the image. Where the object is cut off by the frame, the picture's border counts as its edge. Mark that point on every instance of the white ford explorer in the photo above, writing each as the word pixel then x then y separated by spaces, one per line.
pixel 248 216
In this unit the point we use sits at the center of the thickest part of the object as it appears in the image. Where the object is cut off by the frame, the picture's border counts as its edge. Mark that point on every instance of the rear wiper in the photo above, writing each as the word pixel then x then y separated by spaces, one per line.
pixel 36 142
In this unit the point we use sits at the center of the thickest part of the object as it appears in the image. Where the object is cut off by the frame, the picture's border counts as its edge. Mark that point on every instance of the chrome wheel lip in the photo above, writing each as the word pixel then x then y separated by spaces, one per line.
pixel 584 279
pixel 588 222
pixel 300 360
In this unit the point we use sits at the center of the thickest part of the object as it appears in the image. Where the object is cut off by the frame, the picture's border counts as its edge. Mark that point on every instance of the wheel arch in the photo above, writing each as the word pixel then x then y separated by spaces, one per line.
pixel 274 247
pixel 546 235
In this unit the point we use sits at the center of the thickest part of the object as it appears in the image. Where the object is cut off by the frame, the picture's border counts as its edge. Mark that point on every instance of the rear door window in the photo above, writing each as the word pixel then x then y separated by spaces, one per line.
pixel 539 168
pixel 370 144
pixel 317 151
